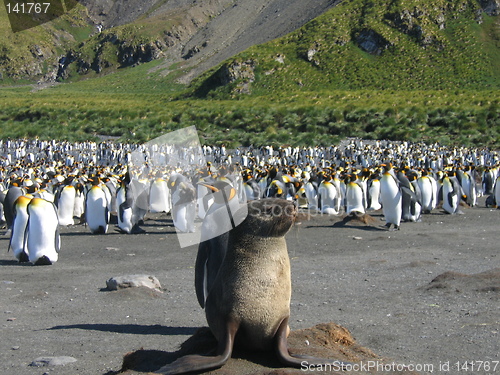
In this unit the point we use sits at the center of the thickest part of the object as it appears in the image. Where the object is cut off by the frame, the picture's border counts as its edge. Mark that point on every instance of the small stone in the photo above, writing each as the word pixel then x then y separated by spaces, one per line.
pixel 357 238
pixel 52 361
pixel 15 347
pixel 11 319
pixel 133 281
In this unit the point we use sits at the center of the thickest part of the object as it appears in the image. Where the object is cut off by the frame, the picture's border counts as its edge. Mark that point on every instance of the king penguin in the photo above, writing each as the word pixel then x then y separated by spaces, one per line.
pixel 328 198
pixel 468 183
pixel 96 208
pixel 354 196
pixel 183 203
pixel 14 192
pixel 159 196
pixel 250 186
pixel 65 202
pixel 373 203
pixel 224 214
pixel 125 206
pixel 451 192
pixel 42 234
pixel 496 192
pixel 390 197
pixel 411 207
pixel 20 221
pixel 428 188
pixel 311 195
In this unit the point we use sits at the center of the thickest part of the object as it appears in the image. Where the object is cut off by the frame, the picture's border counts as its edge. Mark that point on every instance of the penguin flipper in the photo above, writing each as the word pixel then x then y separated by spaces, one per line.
pixel 121 211
pixel 12 229
pixel 450 197
pixel 57 240
pixel 210 255
pixel 409 193
pixel 25 239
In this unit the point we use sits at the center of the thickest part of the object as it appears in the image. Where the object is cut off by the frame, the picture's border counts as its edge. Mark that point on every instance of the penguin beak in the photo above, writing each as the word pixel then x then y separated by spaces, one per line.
pixel 232 192
pixel 213 188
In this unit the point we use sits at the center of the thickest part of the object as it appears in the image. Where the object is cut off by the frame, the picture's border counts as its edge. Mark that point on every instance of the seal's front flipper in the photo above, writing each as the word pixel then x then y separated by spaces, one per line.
pixel 298 360
pixel 195 362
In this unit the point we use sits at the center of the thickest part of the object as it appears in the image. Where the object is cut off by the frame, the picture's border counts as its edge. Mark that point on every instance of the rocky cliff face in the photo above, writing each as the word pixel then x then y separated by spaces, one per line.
pixel 128 32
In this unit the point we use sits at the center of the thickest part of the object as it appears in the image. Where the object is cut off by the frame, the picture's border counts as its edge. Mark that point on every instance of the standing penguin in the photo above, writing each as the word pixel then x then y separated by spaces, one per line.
pixel 159 196
pixel 42 234
pixel 496 192
pixel 373 203
pixel 250 186
pixel 183 203
pixel 411 198
pixel 79 209
pixel 354 196
pixel 468 183
pixel 488 180
pixel 328 198
pixel 276 189
pixel 65 203
pixel 451 195
pixel 311 195
pixel 219 218
pixel 14 192
pixel 125 205
pixel 428 188
pixel 96 209
pixel 301 198
pixel 222 216
pixel 20 221
pixel 390 197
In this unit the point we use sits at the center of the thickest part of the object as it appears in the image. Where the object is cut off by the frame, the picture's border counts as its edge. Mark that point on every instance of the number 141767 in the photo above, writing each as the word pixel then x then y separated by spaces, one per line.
pixel 28 8
pixel 474 366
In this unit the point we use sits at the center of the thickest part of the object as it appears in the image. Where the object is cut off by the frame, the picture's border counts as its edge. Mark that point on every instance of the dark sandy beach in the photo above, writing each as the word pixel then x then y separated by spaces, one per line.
pixel 377 284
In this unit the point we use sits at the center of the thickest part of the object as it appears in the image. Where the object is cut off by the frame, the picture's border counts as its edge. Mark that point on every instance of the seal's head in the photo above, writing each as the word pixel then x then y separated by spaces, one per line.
pixel 272 217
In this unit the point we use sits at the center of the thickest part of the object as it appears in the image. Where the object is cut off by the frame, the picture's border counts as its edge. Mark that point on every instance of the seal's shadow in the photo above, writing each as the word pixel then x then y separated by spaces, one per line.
pixel 136 329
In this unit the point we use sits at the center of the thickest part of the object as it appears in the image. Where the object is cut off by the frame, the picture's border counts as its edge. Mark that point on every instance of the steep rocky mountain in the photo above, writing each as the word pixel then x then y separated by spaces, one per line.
pixel 105 35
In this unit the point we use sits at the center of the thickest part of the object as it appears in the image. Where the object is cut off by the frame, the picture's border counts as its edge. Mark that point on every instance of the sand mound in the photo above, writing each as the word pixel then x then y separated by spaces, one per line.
pixel 357 219
pixel 488 281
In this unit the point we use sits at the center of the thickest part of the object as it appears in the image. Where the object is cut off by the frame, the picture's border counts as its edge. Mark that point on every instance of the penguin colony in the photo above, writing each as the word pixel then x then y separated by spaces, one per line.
pixel 47 184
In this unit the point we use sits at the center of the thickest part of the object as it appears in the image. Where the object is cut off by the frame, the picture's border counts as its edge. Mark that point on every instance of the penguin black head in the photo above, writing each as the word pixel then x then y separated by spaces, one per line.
pixel 227 190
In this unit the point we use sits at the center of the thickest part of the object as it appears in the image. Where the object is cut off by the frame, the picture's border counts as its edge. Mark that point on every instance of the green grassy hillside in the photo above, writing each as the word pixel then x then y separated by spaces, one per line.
pixel 33 54
pixel 380 69
pixel 379 44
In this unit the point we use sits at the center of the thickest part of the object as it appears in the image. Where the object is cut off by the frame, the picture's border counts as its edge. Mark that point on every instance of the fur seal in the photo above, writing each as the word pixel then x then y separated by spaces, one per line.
pixel 248 301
